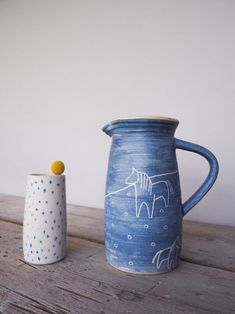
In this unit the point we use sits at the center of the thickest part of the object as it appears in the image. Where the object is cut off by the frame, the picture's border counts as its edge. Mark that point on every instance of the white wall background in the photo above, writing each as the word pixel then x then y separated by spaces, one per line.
pixel 68 67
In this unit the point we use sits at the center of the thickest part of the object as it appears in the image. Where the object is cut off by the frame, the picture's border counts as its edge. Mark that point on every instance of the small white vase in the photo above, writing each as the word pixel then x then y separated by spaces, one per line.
pixel 44 228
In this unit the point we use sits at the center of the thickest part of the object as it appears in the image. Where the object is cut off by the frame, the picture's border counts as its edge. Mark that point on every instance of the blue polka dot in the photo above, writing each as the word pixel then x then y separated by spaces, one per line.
pixel 55 238
pixel 58 184
pixel 52 192
pixel 44 190
pixel 47 235
pixel 41 181
pixel 39 258
pixel 43 213
pixel 45 221
pixel 50 182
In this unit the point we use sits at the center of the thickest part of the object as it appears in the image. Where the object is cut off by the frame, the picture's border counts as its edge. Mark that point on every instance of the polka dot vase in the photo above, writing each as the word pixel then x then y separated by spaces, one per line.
pixel 44 229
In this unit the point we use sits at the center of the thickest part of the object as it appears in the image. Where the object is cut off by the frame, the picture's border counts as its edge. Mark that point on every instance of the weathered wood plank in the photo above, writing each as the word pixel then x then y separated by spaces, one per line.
pixel 84 283
pixel 211 245
pixel 205 244
pixel 83 222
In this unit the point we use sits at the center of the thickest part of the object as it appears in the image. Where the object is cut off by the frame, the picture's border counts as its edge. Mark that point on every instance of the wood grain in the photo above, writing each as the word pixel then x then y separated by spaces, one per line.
pixel 84 283
pixel 205 244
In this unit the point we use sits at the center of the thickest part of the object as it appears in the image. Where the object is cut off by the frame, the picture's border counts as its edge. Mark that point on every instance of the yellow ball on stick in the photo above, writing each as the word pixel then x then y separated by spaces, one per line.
pixel 57 167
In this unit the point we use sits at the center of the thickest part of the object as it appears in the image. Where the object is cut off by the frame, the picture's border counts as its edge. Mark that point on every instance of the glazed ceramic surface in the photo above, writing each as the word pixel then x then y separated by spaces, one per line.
pixel 143 207
pixel 44 228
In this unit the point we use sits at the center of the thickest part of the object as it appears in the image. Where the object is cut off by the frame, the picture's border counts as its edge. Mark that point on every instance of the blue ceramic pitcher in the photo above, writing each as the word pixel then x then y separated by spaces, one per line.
pixel 143 208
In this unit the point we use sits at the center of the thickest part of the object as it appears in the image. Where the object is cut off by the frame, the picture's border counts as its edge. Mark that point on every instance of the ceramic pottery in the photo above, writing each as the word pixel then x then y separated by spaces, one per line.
pixel 44 228
pixel 143 208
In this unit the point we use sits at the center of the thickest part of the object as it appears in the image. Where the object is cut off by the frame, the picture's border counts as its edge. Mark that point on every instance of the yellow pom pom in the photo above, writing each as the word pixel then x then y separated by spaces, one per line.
pixel 57 167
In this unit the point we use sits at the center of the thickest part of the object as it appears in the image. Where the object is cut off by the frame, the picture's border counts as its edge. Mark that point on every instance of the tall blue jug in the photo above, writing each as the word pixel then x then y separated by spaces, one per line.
pixel 143 208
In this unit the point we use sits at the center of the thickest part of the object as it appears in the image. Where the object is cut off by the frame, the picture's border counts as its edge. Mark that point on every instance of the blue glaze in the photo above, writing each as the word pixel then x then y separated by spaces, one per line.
pixel 143 208
pixel 213 173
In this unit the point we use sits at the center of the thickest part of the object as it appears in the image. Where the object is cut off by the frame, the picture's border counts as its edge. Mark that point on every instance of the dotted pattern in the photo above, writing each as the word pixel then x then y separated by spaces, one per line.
pixel 44 230
pixel 116 246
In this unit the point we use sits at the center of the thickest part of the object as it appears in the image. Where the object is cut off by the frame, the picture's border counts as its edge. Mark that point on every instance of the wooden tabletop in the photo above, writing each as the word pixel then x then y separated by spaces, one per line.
pixel 84 283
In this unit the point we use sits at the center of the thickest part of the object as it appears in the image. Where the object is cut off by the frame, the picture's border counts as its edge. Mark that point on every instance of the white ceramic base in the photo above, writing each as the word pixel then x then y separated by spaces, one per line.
pixel 42 262
pixel 141 273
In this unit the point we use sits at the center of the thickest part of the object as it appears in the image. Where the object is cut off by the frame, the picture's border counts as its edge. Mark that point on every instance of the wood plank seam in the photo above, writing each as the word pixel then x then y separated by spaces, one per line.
pixel 187 260
pixel 204 244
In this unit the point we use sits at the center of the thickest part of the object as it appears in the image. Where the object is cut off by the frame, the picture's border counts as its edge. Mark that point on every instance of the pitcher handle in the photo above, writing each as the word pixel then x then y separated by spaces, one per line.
pixel 210 180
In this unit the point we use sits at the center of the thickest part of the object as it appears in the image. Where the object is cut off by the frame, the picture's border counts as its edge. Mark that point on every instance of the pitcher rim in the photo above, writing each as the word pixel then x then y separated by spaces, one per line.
pixel 148 120
pixel 142 117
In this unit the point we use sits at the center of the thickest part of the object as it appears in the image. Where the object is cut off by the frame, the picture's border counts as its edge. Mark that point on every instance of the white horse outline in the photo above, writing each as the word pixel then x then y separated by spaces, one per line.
pixel 143 183
pixel 168 255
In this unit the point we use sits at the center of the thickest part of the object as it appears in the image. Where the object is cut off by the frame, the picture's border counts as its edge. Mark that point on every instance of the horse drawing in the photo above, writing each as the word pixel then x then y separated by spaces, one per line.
pixel 150 187
pixel 168 255
pixel 148 190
